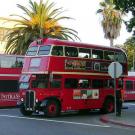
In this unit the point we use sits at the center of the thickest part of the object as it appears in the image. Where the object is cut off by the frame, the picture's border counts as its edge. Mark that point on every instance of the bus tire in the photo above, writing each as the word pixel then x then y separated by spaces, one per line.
pixel 52 108
pixel 108 106
pixel 24 112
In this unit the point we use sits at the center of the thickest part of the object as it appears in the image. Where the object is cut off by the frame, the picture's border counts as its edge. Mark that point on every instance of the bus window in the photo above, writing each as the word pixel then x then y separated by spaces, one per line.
pixel 44 50
pixel 24 85
pixel 40 82
pixel 108 55
pixel 11 87
pixel 56 81
pixel 120 57
pixel 108 83
pixel 19 61
pixel 97 54
pixel 11 61
pixel 32 51
pixel 7 61
pixel 83 83
pixel 57 50
pixel 129 85
pixel 84 53
pixel 97 83
pixel 120 84
pixel 71 83
pixel 71 52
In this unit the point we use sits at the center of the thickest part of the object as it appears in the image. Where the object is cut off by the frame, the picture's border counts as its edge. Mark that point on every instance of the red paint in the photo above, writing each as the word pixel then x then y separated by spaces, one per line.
pixel 70 67
pixel 129 88
pixel 9 79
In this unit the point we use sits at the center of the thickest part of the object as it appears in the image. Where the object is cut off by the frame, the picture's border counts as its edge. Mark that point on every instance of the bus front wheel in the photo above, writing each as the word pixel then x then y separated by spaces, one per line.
pixel 52 108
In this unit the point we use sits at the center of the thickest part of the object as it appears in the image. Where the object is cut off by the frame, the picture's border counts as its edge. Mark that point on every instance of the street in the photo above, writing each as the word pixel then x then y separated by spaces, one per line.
pixel 12 122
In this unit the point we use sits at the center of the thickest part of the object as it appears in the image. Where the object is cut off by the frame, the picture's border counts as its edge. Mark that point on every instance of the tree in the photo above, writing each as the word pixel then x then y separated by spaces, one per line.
pixel 41 20
pixel 129 47
pixel 112 20
pixel 127 6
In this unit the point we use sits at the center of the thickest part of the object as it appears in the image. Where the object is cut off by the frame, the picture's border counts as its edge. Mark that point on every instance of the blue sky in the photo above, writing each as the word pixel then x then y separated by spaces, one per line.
pixel 86 21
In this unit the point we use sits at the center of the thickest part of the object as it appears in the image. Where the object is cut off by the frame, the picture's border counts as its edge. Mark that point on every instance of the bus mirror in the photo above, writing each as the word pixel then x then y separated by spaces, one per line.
pixel 51 77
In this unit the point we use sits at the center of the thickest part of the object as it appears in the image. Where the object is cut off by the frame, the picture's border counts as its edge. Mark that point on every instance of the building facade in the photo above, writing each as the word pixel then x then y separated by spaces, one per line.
pixel 6 24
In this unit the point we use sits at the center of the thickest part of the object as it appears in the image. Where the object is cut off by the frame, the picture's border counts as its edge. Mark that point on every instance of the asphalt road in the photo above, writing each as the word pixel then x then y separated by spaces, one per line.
pixel 13 123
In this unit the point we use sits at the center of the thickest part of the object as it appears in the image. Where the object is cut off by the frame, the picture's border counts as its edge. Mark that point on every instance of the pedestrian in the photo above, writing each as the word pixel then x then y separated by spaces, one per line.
pixel 118 102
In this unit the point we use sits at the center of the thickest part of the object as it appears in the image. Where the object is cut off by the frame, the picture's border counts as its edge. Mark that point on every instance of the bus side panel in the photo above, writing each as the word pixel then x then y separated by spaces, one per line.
pixel 129 89
pixel 9 99
pixel 94 100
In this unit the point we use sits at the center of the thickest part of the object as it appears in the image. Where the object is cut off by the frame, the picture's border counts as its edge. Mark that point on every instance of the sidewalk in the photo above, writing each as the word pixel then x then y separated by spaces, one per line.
pixel 127 118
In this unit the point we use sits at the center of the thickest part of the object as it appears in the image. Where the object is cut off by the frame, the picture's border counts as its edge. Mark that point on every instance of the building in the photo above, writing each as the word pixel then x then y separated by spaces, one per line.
pixel 6 24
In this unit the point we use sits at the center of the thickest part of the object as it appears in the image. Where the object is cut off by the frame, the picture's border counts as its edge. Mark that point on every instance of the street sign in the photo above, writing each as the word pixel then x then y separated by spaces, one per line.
pixel 115 69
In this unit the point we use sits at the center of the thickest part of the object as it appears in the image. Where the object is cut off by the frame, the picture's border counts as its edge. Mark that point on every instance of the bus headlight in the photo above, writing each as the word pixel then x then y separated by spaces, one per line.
pixel 36 100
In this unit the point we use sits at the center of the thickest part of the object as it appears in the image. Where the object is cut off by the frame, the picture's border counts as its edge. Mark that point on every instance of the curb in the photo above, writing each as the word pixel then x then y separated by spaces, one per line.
pixel 105 119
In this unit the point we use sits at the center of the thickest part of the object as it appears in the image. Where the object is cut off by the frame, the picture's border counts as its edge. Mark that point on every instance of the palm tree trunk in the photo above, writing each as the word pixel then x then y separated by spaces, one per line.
pixel 41 33
pixel 111 42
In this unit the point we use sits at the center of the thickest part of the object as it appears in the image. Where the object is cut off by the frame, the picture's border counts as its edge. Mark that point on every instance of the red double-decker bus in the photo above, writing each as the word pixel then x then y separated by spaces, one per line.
pixel 60 75
pixel 10 70
pixel 129 88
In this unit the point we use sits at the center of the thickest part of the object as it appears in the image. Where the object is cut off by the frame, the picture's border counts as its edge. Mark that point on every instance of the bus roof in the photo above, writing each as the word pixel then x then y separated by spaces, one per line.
pixel 11 55
pixel 72 43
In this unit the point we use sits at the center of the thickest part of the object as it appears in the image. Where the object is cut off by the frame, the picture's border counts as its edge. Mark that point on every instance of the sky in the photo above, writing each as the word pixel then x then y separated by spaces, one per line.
pixel 86 22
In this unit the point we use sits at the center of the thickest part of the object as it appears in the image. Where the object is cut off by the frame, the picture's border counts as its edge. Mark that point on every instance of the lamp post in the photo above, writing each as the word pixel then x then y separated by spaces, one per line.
pixel 133 60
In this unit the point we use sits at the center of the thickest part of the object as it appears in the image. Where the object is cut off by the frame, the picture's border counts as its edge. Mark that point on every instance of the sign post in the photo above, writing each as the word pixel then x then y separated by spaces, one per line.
pixel 115 71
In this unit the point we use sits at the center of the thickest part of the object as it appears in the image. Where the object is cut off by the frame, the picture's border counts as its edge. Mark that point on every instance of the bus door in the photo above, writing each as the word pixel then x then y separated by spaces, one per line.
pixel 55 85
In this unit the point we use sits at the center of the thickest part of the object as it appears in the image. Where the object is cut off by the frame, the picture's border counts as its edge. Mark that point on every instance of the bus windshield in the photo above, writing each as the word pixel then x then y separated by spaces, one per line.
pixel 32 51
pixel 44 50
pixel 41 50
pixel 24 85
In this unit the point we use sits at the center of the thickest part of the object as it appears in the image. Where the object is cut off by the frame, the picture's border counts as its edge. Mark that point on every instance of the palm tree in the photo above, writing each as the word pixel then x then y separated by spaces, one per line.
pixel 112 20
pixel 40 21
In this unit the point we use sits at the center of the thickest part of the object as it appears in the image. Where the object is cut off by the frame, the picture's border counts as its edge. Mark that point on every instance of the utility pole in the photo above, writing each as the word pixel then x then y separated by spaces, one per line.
pixel 134 60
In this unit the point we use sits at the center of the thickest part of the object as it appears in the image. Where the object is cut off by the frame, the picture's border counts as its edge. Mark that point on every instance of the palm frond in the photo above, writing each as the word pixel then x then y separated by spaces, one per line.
pixel 41 20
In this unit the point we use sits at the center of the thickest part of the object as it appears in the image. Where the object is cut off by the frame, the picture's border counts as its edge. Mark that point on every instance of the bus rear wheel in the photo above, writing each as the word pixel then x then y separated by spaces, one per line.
pixel 52 108
pixel 24 112
pixel 108 106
